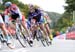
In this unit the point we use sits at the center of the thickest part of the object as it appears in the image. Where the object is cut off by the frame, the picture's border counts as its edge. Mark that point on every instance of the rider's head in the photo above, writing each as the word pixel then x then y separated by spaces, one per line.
pixel 31 8
pixel 7 4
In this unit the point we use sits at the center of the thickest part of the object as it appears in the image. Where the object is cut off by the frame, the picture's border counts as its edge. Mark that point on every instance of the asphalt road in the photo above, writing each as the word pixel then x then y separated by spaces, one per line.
pixel 58 45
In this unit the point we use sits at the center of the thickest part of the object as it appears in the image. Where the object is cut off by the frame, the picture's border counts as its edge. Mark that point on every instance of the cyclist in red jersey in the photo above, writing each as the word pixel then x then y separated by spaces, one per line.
pixel 5 32
pixel 16 14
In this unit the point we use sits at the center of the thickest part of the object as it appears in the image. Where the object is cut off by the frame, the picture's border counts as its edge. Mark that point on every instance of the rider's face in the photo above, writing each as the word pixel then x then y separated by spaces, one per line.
pixel 31 10
pixel 7 7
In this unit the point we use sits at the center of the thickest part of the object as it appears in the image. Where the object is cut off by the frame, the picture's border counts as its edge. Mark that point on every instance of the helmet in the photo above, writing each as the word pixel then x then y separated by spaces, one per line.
pixel 31 6
pixel 7 4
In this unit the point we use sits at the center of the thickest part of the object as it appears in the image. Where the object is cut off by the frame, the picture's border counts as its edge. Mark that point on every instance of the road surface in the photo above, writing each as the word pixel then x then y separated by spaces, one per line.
pixel 59 45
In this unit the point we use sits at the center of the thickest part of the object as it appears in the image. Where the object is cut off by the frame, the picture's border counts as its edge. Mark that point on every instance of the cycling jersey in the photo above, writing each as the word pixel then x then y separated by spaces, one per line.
pixel 36 15
pixel 23 18
pixel 14 11
pixel 46 17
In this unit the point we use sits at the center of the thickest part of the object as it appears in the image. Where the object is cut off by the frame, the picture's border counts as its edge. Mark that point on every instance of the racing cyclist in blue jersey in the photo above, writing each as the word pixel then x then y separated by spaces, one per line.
pixel 35 13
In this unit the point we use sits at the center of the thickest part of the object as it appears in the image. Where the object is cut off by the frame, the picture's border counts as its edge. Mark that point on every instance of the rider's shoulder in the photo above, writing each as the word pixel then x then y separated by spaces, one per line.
pixel 14 5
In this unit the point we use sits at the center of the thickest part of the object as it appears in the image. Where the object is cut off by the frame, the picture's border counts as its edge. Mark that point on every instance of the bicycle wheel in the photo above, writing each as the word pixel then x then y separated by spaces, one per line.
pixel 35 36
pixel 1 38
pixel 41 38
pixel 25 38
pixel 47 42
pixel 12 41
pixel 21 40
pixel 19 35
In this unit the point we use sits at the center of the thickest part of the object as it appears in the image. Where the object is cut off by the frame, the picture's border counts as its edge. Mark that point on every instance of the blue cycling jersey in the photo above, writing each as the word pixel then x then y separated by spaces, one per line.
pixel 36 14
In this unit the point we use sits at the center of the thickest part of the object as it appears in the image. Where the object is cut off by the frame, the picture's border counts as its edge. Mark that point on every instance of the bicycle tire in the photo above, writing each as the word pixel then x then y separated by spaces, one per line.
pixel 25 39
pixel 41 38
pixel 21 40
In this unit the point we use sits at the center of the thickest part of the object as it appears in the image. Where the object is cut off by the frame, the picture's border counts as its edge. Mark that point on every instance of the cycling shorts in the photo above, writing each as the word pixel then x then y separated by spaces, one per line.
pixel 14 17
pixel 41 21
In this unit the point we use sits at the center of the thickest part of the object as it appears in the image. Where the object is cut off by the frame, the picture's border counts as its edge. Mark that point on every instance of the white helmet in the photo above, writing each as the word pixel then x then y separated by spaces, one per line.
pixel 8 4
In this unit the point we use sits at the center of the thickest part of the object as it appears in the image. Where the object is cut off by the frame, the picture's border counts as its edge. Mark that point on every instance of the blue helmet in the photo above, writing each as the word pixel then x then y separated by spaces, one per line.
pixel 8 4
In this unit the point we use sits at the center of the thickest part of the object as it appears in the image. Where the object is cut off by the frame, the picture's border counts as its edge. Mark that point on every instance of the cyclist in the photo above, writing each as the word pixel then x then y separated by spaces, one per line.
pixel 15 14
pixel 5 32
pixel 46 23
pixel 35 13
pixel 9 25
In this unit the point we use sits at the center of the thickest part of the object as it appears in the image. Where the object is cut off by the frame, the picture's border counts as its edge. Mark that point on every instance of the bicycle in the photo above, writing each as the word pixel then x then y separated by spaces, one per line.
pixel 38 33
pixel 21 35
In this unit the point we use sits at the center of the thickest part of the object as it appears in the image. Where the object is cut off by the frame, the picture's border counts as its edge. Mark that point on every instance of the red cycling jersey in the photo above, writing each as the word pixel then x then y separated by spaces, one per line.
pixel 12 10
